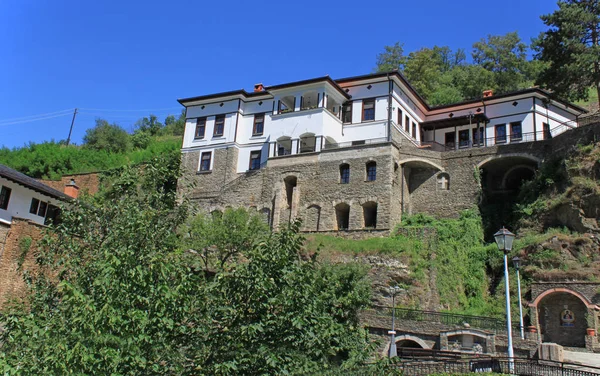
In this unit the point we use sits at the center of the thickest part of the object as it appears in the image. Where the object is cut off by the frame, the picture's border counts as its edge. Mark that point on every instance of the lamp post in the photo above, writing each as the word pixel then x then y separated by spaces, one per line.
pixel 392 352
pixel 504 240
pixel 517 263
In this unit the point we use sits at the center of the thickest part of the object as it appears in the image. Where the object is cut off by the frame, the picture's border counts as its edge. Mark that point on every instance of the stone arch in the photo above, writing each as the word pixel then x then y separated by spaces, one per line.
pixel 530 157
pixel 560 314
pixel 512 170
pixel 443 181
pixel 420 162
pixel 290 182
pixel 413 339
pixel 539 298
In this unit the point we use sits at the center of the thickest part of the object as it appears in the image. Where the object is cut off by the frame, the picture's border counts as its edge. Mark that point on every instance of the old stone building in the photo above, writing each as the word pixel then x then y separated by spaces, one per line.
pixel 357 153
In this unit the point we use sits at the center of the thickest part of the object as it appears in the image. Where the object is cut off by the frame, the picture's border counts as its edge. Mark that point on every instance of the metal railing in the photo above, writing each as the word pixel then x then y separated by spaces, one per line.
pixel 329 146
pixel 515 366
pixel 451 319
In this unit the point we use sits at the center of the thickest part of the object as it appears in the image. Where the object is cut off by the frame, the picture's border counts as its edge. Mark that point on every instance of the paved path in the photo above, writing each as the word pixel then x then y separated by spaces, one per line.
pixel 584 358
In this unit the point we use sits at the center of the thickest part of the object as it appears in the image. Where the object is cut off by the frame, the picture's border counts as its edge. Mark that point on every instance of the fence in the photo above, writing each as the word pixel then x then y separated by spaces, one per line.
pixel 451 319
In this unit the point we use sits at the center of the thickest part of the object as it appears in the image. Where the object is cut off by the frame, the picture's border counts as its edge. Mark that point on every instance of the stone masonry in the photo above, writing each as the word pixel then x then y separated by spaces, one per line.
pixel 409 180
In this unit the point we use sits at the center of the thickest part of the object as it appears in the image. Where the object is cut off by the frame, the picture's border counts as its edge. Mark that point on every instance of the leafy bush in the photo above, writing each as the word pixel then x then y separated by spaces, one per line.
pixel 108 137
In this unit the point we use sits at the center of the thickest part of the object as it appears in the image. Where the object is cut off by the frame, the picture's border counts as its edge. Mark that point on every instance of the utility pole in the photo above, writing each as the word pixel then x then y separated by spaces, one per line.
pixel 71 129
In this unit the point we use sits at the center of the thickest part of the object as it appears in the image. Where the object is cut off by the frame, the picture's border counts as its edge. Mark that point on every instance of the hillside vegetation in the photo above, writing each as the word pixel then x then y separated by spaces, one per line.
pixel 105 146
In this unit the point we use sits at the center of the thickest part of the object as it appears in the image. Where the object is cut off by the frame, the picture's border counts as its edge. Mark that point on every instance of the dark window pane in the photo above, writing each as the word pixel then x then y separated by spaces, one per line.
pixel 407 124
pixel 200 127
pixel 42 209
pixel 345 174
pixel 371 171
pixel 501 133
pixel 515 131
pixel 259 124
pixel 347 113
pixel 255 160
pixel 33 208
pixel 4 197
pixel 219 125
pixel 463 138
pixel 205 162
pixel 368 109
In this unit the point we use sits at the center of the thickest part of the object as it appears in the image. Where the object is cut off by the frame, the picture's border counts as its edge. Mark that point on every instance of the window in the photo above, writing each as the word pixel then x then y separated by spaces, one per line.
pixel 443 182
pixel 52 215
pixel 399 118
pixel 4 197
pixel 200 127
pixel 368 112
pixel 347 112
pixel 515 131
pixel 255 160
pixel 205 161
pixel 259 124
pixel 450 139
pixel 478 136
pixel 42 209
pixel 219 125
pixel 407 124
pixel 414 130
pixel 345 173
pixel 463 138
pixel 371 171
pixel 35 204
pixel 500 133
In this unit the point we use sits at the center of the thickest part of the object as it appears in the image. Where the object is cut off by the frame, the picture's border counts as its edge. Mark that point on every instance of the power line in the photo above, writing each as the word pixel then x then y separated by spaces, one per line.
pixel 143 110
pixel 35 116
pixel 32 120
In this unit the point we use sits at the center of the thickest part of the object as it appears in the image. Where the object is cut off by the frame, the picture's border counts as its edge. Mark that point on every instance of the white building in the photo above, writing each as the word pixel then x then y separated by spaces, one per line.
pixel 24 197
pixel 310 115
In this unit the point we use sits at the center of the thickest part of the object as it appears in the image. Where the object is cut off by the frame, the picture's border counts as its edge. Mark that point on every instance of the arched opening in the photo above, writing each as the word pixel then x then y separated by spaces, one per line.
pixel 562 319
pixel 342 216
pixel 312 219
pixel 514 177
pixel 284 146
pixel 409 343
pixel 266 215
pixel 370 214
pixel 290 183
pixel 330 143
pixel 286 104
pixel 216 214
pixel 371 171
pixel 308 142
pixel 344 173
pixel 309 100
pixel 500 178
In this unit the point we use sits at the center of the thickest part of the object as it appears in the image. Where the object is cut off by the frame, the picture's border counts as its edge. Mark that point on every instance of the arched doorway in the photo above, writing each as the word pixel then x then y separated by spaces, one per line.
pixel 562 318
pixel 342 216
pixel 409 343
pixel 312 218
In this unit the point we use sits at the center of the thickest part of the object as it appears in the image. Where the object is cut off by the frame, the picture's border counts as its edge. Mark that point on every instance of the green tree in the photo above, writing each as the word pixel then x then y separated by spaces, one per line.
pixel 392 58
pixel 175 126
pixel 423 69
pixel 114 294
pixel 108 137
pixel 222 237
pixel 505 56
pixel 149 125
pixel 570 49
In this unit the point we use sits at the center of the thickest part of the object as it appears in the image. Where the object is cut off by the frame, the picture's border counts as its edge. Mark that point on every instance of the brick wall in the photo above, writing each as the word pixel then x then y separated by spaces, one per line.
pixel 89 183
pixel 11 277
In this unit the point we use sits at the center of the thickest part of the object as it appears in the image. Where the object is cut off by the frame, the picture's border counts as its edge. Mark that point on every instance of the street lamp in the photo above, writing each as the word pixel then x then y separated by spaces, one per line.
pixel 504 240
pixel 517 263
pixel 392 353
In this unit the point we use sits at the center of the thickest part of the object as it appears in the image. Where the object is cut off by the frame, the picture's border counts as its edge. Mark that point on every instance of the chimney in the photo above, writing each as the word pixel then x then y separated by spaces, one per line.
pixel 259 87
pixel 488 93
pixel 72 189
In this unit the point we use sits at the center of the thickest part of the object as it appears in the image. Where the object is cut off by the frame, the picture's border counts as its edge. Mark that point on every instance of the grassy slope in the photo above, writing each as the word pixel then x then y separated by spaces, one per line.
pixel 50 160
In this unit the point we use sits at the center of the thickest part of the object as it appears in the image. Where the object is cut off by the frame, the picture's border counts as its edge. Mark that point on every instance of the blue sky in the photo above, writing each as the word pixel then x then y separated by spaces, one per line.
pixel 121 59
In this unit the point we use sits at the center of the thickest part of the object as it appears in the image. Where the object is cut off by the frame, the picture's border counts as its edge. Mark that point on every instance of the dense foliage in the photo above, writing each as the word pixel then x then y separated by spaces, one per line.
pixel 570 49
pixel 105 146
pixel 443 76
pixel 116 292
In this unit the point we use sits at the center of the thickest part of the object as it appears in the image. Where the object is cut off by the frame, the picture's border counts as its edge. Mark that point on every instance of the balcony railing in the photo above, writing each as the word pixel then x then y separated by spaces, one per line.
pixel 329 146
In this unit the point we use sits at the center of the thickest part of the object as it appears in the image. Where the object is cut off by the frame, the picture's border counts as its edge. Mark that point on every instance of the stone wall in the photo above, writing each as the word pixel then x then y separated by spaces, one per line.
pixel 408 180
pixel 591 290
pixel 89 183
pixel 16 257
pixel 4 228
